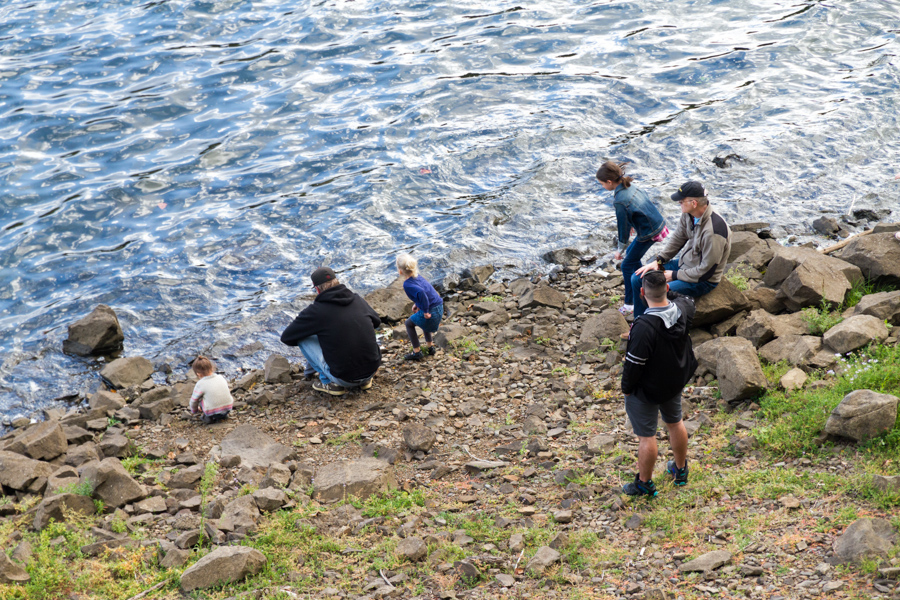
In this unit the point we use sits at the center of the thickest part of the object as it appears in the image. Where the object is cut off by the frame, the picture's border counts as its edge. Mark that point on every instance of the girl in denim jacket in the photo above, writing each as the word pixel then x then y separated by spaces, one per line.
pixel 635 213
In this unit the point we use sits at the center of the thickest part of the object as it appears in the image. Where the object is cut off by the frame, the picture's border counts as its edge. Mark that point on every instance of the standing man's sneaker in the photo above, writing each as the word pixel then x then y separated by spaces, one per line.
pixel 417 355
pixel 640 488
pixel 366 384
pixel 680 475
pixel 429 350
pixel 329 388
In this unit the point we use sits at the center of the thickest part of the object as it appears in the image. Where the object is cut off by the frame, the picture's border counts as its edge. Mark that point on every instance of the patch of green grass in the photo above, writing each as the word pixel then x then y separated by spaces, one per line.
pixel 791 422
pixel 542 341
pixel 464 346
pixel 134 463
pixel 864 288
pixel 565 371
pixel 81 488
pixel 389 503
pixel 492 298
pixel 775 372
pixel 820 319
pixel 738 280
pixel 345 438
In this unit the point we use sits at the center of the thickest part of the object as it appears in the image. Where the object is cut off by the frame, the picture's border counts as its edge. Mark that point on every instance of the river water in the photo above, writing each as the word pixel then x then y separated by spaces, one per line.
pixel 189 163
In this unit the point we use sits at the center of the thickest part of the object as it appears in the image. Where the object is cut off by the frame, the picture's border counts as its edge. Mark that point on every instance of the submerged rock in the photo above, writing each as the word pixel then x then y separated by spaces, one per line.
pixel 96 334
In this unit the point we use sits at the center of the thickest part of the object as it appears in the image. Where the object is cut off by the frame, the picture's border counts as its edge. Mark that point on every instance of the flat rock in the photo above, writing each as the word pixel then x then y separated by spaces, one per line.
pixel 225 564
pixel 707 562
pixel 601 444
pixel 240 512
pixel 112 483
pixel 126 372
pixel 863 414
pixel 865 538
pixel 390 303
pixel 105 400
pixel 884 306
pixel 793 380
pixel 542 559
pixel 255 448
pixel 608 325
pixel 269 499
pixel 854 333
pixel 739 372
pixel 542 295
pixel 887 483
pixel 361 478
pixel 10 572
pixel 96 334
pixel 478 466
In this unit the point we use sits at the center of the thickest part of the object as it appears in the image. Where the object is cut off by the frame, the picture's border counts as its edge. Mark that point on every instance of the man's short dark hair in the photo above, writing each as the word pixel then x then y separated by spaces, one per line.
pixel 654 284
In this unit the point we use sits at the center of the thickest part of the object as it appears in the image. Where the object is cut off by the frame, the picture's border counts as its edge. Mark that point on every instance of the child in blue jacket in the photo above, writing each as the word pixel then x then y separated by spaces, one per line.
pixel 428 310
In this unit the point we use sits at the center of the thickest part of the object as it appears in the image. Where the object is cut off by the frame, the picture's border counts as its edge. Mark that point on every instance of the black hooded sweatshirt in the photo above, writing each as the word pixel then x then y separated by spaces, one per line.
pixel 659 360
pixel 345 324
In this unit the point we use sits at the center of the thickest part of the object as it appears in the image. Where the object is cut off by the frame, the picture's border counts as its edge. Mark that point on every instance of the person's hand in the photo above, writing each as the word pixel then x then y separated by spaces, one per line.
pixel 669 276
pixel 646 268
pixel 427 315
pixel 617 255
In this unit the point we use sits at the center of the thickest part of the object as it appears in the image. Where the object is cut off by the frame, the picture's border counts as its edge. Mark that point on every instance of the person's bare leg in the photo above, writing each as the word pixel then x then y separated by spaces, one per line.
pixel 678 440
pixel 646 457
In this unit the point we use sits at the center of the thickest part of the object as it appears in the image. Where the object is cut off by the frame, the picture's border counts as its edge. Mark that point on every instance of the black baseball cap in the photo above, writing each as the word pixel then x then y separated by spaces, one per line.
pixel 321 275
pixel 690 189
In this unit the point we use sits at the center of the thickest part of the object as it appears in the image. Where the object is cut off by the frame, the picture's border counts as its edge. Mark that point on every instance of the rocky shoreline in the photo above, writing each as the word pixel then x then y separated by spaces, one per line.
pixel 491 469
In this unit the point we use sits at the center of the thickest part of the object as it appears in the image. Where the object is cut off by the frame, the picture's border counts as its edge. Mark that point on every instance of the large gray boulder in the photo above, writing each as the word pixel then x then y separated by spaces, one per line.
pixel 707 353
pixel 112 483
pixel 609 324
pixel 863 414
pixel 22 473
pixel 126 372
pixel 154 410
pixel 542 295
pixel 883 305
pixel 765 298
pixel 105 400
pixel 742 242
pixel 855 332
pixel 789 324
pixel 787 259
pixel 877 255
pixel 418 437
pixel 758 327
pixel 255 448
pixel 725 300
pixel 225 564
pixel 96 334
pixel 739 373
pixel 795 349
pixel 277 369
pixel 53 507
pixel 45 441
pixel 240 512
pixel 391 303
pixel 814 282
pixel 360 478
pixel 865 538
pixel 758 256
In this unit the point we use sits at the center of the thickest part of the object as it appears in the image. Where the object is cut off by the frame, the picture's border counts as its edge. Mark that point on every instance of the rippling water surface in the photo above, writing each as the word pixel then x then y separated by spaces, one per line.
pixel 189 163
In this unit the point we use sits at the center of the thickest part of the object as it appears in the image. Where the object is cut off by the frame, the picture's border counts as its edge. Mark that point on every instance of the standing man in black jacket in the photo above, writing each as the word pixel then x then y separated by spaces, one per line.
pixel 659 361
pixel 336 334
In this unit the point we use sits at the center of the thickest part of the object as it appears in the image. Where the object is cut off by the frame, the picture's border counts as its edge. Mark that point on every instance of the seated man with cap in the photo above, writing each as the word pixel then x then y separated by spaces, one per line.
pixel 336 334
pixel 704 240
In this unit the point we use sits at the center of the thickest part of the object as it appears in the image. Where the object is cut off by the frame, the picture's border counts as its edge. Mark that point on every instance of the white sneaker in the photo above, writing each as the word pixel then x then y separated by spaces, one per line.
pixel 627 309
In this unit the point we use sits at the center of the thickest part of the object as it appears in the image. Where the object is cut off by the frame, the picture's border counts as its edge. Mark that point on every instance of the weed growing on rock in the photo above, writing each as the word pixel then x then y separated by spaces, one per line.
pixel 821 319
pixel 738 281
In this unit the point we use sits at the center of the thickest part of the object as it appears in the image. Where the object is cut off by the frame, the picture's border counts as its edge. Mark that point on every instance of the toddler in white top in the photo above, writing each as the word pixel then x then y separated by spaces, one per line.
pixel 211 394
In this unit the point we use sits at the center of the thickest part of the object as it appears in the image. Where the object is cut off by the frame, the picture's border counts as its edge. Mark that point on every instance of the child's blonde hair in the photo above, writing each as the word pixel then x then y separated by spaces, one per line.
pixel 408 264
pixel 203 366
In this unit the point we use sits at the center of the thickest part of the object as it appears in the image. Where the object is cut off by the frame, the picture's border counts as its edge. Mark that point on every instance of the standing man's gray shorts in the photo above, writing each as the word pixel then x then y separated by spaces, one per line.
pixel 645 415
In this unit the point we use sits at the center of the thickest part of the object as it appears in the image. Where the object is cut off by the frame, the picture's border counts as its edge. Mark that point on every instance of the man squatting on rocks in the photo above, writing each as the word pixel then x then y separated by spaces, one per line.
pixel 704 239
pixel 211 394
pixel 336 334
pixel 659 361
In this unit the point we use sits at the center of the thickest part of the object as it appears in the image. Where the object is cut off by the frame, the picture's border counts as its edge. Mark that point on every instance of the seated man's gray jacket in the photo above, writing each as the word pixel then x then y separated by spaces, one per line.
pixel 704 247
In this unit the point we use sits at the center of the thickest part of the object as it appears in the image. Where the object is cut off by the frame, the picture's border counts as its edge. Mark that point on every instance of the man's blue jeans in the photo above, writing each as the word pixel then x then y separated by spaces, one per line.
pixel 631 263
pixel 315 360
pixel 682 287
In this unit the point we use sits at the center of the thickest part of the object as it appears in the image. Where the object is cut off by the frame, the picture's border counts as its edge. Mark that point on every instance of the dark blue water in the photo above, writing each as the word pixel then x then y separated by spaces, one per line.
pixel 189 163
